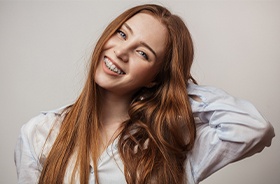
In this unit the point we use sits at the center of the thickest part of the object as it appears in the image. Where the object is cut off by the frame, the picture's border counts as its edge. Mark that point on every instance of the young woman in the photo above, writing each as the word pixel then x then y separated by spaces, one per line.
pixel 141 118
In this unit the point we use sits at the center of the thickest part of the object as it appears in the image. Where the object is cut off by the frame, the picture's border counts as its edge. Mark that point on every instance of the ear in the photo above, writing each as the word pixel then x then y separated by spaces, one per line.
pixel 150 85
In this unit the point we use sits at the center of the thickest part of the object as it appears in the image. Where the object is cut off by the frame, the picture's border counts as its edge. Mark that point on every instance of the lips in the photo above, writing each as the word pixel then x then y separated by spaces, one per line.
pixel 111 66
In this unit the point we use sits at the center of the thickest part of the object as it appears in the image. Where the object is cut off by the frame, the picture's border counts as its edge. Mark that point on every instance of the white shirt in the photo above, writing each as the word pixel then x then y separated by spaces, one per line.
pixel 228 129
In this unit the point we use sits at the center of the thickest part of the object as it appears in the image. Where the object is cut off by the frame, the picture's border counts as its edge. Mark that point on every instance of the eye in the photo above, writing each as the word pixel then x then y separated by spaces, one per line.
pixel 122 34
pixel 143 54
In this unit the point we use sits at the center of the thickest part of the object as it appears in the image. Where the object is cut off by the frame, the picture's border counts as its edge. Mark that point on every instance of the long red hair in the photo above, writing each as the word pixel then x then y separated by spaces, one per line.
pixel 154 142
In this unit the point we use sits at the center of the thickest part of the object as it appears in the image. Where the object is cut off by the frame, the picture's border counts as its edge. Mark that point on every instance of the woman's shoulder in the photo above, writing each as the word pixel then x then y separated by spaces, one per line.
pixel 41 131
pixel 200 96
pixel 44 121
pixel 35 141
pixel 204 90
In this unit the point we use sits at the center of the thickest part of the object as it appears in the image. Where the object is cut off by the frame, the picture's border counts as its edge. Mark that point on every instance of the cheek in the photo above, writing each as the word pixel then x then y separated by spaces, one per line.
pixel 97 72
pixel 110 43
pixel 146 73
pixel 99 67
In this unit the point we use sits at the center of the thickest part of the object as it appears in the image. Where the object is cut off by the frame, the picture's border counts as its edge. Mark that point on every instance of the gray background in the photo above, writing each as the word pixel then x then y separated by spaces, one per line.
pixel 45 47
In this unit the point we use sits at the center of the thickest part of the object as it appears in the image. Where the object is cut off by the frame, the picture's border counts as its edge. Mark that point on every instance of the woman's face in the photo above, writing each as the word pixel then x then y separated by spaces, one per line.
pixel 132 57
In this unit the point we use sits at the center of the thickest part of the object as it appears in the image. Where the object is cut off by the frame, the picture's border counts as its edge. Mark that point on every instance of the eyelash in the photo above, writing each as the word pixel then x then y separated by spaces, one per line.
pixel 123 35
pixel 143 54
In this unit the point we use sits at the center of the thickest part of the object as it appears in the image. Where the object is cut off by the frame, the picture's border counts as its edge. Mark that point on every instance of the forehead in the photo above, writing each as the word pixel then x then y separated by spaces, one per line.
pixel 149 29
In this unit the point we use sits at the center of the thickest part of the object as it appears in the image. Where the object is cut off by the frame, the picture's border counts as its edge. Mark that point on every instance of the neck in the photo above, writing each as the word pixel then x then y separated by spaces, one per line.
pixel 114 112
pixel 114 109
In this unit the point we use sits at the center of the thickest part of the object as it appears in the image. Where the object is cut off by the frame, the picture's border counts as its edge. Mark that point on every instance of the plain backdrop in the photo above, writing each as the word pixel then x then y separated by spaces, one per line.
pixel 45 47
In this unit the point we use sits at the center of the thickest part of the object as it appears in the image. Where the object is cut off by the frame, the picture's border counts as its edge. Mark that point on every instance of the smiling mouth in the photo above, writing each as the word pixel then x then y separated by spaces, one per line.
pixel 112 67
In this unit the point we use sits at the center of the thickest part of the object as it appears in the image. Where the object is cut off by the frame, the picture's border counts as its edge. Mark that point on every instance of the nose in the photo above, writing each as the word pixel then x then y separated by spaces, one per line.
pixel 121 53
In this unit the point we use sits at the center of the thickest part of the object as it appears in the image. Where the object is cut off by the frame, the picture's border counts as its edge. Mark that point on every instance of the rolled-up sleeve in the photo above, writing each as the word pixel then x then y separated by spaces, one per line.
pixel 228 129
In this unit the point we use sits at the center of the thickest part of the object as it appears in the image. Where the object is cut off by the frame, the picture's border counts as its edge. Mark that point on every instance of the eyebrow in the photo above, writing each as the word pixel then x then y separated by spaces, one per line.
pixel 142 43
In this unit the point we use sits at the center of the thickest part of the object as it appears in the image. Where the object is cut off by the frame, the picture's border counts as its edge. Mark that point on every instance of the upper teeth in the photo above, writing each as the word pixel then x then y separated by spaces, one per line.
pixel 112 67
